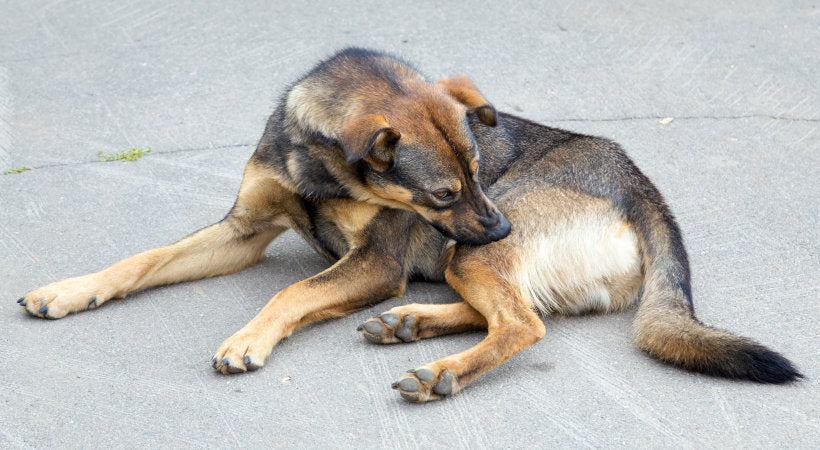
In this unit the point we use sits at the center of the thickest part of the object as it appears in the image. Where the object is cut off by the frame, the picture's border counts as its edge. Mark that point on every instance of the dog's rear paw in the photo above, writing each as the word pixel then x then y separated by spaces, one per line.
pixel 390 327
pixel 56 300
pixel 426 383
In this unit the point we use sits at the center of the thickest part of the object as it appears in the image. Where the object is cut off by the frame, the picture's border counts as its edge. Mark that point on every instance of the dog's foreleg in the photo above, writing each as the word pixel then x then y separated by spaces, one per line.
pixel 238 241
pixel 360 278
pixel 372 271
pixel 212 251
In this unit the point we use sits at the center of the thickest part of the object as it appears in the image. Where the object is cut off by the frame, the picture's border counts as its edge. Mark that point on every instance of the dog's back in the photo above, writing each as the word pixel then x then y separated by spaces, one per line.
pixel 612 228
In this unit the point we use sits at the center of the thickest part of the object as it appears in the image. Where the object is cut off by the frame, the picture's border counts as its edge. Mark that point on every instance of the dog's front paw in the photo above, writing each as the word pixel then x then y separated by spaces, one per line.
pixel 426 383
pixel 390 327
pixel 246 350
pixel 56 300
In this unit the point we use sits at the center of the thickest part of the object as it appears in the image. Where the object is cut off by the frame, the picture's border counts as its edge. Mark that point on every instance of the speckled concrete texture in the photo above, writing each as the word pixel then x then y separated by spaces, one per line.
pixel 739 165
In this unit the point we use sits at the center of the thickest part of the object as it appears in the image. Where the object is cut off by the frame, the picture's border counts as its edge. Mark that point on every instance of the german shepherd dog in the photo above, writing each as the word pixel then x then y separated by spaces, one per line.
pixel 392 177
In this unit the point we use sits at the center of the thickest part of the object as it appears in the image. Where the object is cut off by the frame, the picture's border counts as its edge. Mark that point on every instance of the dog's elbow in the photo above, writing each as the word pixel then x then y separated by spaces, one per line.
pixel 387 274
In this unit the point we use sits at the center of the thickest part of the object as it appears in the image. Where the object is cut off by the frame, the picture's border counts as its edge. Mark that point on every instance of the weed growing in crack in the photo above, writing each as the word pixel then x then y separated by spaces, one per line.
pixel 17 170
pixel 128 155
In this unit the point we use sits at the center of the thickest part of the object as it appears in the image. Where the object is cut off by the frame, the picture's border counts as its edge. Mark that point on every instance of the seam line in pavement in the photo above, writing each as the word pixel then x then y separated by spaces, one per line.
pixel 611 119
pixel 181 150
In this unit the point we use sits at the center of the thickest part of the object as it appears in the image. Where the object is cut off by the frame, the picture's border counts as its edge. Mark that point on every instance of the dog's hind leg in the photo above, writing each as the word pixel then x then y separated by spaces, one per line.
pixel 512 325
pixel 236 242
pixel 416 321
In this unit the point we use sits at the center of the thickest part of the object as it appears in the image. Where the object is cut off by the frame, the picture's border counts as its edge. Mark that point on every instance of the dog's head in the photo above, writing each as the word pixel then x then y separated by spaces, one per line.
pixel 417 152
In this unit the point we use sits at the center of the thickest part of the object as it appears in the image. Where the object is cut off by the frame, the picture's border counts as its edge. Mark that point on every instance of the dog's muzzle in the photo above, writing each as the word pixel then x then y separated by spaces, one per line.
pixel 495 227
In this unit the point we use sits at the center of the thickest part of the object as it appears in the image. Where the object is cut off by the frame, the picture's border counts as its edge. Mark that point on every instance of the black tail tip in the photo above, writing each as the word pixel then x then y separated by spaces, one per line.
pixel 757 363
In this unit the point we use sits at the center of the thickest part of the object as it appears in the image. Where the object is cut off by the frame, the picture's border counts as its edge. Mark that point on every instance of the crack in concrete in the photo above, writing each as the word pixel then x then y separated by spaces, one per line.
pixel 548 120
pixel 169 152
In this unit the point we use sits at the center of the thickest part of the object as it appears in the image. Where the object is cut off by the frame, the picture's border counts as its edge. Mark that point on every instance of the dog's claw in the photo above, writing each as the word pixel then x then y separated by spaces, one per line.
pixel 92 301
pixel 43 310
pixel 226 367
pixel 21 300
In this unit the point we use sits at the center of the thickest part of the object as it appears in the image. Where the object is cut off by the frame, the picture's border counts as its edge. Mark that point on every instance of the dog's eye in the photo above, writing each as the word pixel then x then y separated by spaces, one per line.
pixel 443 194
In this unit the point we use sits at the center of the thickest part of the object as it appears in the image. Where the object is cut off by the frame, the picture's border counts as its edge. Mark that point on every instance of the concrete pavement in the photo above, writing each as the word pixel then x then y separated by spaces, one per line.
pixel 739 165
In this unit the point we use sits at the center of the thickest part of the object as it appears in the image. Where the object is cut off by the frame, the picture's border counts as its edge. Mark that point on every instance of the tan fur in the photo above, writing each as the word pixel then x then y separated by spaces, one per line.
pixel 511 327
pixel 570 254
pixel 586 259
pixel 216 250
pixel 335 292
pixel 350 216
pixel 464 90
pixel 395 193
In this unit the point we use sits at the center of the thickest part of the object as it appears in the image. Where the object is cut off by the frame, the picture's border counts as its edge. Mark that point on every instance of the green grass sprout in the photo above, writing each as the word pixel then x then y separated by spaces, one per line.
pixel 17 170
pixel 127 155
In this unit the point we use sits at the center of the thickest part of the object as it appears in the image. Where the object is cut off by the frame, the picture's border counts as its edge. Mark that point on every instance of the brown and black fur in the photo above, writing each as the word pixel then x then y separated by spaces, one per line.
pixel 392 177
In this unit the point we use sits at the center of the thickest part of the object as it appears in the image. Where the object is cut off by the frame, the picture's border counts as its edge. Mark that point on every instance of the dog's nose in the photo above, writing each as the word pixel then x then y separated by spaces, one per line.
pixel 501 230
pixel 490 221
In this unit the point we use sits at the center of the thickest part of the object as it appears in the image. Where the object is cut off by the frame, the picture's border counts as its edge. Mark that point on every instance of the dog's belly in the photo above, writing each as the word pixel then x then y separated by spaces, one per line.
pixel 572 253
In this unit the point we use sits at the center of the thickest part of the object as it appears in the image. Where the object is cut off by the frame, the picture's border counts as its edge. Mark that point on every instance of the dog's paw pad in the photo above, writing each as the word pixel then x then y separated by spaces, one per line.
pixel 405 330
pixel 425 384
pixel 444 385
pixel 408 384
pixel 373 327
pixel 424 374
pixel 389 328
pixel 389 319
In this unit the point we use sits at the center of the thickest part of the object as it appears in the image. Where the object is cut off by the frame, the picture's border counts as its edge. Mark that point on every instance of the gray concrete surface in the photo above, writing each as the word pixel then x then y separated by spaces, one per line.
pixel 195 81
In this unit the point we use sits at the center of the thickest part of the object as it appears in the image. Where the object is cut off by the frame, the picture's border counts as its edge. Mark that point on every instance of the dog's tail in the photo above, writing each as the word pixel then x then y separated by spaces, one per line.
pixel 665 325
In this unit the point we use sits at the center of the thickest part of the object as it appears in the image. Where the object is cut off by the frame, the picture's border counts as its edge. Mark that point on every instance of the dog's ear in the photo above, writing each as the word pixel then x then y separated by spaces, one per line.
pixel 370 138
pixel 464 90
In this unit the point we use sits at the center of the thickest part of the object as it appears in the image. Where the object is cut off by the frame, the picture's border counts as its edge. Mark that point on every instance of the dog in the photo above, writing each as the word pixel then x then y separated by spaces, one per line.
pixel 392 178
